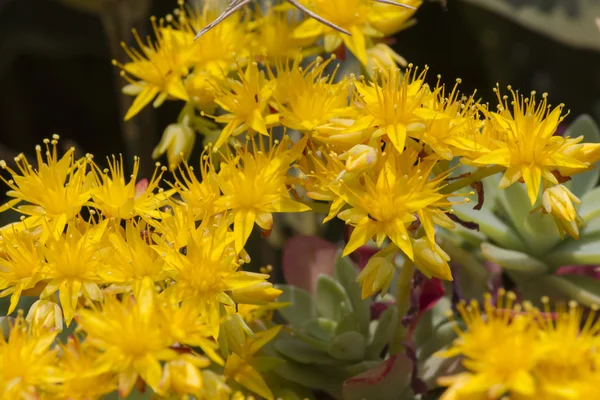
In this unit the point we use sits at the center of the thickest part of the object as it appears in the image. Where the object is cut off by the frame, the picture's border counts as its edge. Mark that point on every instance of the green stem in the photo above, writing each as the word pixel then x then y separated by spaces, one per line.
pixel 321 208
pixel 402 304
pixel 478 175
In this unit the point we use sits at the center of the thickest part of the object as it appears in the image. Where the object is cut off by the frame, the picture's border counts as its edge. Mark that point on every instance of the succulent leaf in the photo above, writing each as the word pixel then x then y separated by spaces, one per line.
pixel 345 272
pixel 302 306
pixel 331 299
pixel 514 260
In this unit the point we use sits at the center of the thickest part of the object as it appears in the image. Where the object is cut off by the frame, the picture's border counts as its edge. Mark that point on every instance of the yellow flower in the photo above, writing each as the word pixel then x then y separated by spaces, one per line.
pixel 159 66
pixel 535 354
pixel 55 190
pixel 498 349
pixel 451 124
pixel 351 15
pixel 20 266
pixel 381 57
pixel 389 19
pixel 45 315
pixel 312 99
pixel 390 108
pixel 177 141
pixel 115 198
pixel 198 195
pixel 220 49
pixel 207 273
pixel 526 145
pixel 131 337
pixel 273 34
pixel 254 187
pixel 83 380
pixel 240 369
pixel 27 362
pixel 132 259
pixel 386 204
pixel 558 201
pixel 72 265
pixel 245 102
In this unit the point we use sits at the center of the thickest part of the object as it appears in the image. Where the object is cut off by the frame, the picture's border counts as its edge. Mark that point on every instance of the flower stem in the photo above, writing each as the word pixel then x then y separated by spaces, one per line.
pixel 402 304
pixel 321 208
pixel 478 175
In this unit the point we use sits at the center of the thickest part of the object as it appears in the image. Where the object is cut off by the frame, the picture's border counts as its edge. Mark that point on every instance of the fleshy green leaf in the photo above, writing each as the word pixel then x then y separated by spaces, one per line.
pixel 331 299
pixel 583 289
pixel 584 126
pixel 348 323
pixel 349 346
pixel 491 225
pixel 538 230
pixel 514 260
pixel 585 251
pixel 430 321
pixel 383 333
pixel 590 205
pixel 320 328
pixel 315 377
pixel 345 273
pixel 302 307
pixel 388 381
pixel 301 352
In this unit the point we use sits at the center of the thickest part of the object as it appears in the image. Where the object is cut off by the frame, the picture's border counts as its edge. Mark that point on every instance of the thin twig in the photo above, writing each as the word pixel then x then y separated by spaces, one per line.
pixel 235 5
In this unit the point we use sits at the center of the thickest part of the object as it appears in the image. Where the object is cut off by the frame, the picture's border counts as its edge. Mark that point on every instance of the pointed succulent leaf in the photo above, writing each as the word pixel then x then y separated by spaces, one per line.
pixel 348 323
pixel 383 333
pixel 315 377
pixel 537 230
pixel 349 346
pixel 345 273
pixel 433 367
pixel 514 260
pixel 359 368
pixel 585 251
pixel 390 380
pixel 591 228
pixel 430 321
pixel 491 225
pixel 442 335
pixel 302 306
pixel 320 328
pixel 583 289
pixel 331 299
pixel 302 352
pixel 584 126
pixel 590 205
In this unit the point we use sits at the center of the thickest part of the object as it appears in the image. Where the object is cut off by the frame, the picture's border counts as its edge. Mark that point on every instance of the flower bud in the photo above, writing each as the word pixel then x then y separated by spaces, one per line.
pixel 431 260
pixel 178 142
pixel 182 375
pixel 235 330
pixel 378 273
pixel 359 158
pixel 558 201
pixel 45 315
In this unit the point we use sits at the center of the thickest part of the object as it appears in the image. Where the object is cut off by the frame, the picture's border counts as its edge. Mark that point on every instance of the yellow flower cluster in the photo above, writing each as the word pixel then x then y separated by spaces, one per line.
pixel 155 285
pixel 535 354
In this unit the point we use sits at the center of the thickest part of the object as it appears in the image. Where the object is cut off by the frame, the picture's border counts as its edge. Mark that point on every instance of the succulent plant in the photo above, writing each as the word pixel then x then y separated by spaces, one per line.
pixel 527 245
pixel 331 337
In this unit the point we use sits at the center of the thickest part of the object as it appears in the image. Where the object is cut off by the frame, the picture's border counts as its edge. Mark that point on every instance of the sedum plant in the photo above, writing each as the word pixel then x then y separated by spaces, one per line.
pixel 147 283
pixel 331 337
pixel 531 247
